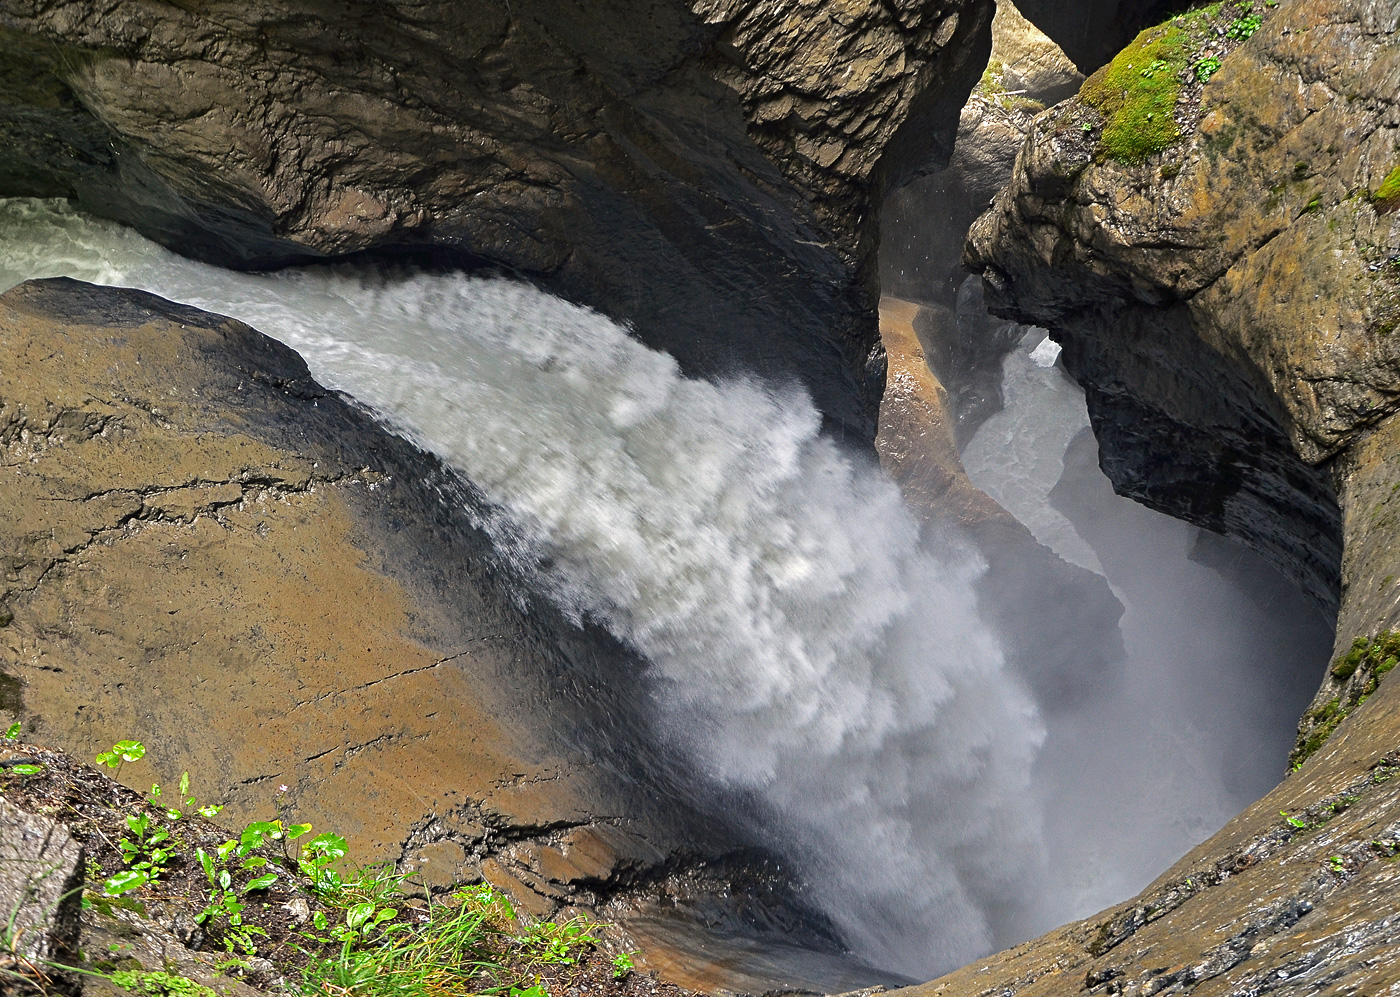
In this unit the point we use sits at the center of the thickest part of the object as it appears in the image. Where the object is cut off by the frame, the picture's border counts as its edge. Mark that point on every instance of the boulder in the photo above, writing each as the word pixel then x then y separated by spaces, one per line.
pixel 41 877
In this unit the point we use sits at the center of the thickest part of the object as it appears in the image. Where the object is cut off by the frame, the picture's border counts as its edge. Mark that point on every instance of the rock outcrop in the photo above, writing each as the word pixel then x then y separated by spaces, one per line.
pixel 704 169
pixel 207 551
pixel 1223 279
pixel 1209 230
pixel 924 223
pixel 41 875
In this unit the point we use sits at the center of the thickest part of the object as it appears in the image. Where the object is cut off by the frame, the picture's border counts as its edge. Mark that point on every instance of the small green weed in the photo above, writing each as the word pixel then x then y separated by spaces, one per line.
pixel 1244 27
pixel 160 984
pixel 121 752
pixel 622 964
pixel 146 856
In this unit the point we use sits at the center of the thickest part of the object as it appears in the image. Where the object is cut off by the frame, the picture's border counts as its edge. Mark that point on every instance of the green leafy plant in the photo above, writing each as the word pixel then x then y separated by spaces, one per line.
pixel 1295 821
pixel 121 753
pixel 156 799
pixel 622 964
pixel 1206 68
pixel 558 944
pixel 317 857
pixel 12 731
pixel 145 854
pixel 1242 28
pixel 160 984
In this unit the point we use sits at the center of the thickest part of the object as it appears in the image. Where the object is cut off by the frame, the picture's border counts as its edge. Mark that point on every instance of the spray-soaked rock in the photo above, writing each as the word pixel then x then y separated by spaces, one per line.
pixel 209 552
pixel 1227 299
pixel 1058 622
pixel 1224 288
pixel 704 169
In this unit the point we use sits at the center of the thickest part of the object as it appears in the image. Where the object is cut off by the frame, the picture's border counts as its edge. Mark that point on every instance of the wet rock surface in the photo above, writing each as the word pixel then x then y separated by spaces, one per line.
pixel 705 170
pixel 207 551
pixel 1227 302
pixel 1058 622
pixel 1294 895
pixel 925 222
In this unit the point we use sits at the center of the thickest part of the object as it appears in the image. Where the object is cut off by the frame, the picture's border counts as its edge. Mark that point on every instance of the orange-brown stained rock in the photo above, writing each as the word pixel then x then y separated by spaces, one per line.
pixel 176 578
pixel 915 441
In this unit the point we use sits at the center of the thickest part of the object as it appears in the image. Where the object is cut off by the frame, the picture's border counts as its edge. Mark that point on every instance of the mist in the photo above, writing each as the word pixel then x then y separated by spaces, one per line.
pixel 1223 655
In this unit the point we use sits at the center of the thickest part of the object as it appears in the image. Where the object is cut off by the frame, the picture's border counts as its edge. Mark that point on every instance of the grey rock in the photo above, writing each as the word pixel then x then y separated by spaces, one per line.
pixel 704 169
pixel 41 878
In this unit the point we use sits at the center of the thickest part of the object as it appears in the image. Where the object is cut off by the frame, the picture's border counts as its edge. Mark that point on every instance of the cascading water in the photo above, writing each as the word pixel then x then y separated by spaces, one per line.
pixel 801 642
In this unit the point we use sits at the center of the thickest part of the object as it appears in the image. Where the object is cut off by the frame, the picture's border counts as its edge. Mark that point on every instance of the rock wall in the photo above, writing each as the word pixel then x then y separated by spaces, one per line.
pixel 206 551
pixel 705 169
pixel 1225 288
pixel 1225 278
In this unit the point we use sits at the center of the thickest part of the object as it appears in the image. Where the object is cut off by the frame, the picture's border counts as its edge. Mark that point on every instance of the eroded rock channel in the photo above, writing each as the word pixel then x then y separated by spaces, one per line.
pixel 506 594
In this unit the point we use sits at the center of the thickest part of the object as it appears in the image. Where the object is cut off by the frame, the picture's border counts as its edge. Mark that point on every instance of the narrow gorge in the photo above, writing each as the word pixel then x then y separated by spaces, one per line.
pixel 839 492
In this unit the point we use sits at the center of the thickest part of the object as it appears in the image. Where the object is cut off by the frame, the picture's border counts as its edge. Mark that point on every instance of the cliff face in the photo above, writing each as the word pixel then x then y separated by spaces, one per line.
pixel 1210 230
pixel 702 168
pixel 1218 258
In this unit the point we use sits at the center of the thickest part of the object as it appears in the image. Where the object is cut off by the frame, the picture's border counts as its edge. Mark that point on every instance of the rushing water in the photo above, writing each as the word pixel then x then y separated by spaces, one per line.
pixel 802 643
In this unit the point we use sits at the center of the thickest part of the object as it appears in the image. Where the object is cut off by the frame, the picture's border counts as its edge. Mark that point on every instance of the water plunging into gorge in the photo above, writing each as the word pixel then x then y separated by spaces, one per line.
pixel 803 645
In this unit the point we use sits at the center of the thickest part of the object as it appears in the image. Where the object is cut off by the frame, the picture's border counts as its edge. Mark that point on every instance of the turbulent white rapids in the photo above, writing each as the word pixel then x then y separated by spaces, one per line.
pixel 800 642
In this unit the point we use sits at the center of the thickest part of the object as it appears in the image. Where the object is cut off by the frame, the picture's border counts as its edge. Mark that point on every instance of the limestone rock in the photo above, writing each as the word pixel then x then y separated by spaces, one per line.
pixel 703 169
pixel 41 876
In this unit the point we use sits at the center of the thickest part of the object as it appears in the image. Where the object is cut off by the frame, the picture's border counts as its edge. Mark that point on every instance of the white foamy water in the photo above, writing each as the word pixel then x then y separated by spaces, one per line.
pixel 800 643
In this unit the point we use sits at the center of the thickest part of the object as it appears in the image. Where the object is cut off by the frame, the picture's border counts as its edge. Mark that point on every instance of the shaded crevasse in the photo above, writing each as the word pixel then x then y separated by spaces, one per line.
pixel 1222 654
pixel 802 646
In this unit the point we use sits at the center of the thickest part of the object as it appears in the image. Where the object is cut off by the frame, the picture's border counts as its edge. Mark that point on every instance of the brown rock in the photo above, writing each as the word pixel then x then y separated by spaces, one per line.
pixel 208 552
pixel 1225 301
pixel 41 876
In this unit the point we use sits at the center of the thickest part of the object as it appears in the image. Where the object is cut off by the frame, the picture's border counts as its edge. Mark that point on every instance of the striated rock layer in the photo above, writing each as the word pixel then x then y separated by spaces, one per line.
pixel 207 551
pixel 1225 279
pixel 705 169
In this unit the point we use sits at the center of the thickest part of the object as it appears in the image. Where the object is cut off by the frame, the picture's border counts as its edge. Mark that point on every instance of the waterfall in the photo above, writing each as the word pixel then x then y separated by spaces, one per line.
pixel 801 643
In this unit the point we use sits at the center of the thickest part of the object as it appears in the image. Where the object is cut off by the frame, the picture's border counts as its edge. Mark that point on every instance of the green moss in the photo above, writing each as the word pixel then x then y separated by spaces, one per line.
pixel 1387 196
pixel 1346 666
pixel 1137 93
pixel 1368 658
